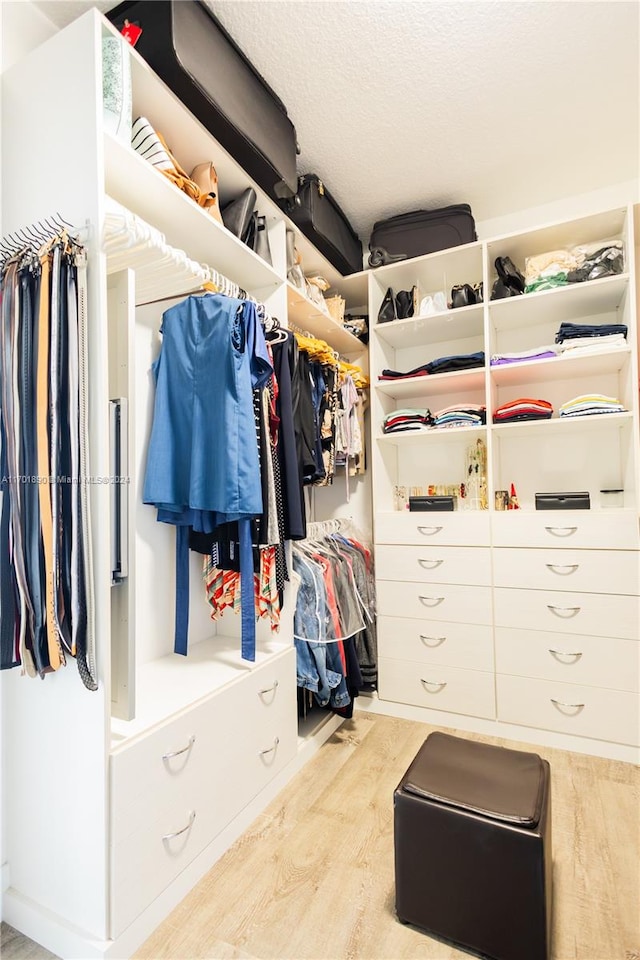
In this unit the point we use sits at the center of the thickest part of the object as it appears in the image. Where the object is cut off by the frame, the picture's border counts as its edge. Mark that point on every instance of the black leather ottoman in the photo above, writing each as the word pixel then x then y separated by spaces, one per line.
pixel 472 829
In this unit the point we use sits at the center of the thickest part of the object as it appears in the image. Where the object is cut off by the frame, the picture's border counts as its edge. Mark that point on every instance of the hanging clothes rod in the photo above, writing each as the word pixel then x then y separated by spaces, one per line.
pixel 162 272
pixel 35 235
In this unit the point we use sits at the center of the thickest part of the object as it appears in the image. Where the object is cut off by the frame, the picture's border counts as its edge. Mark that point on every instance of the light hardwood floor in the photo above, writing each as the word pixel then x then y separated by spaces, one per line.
pixel 312 879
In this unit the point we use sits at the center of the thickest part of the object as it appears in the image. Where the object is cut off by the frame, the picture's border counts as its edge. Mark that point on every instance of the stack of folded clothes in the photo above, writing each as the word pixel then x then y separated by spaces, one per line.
pixel 402 421
pixel 442 365
pixel 460 415
pixel 590 337
pixel 524 408
pixel 536 353
pixel 591 403
pixel 590 261
pixel 548 270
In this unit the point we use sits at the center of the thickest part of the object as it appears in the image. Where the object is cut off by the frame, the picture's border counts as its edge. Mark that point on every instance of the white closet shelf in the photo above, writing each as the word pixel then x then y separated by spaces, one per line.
pixel 608 225
pixel 173 683
pixel 456 324
pixel 139 187
pixel 435 435
pixel 561 367
pixel 535 429
pixel 307 315
pixel 433 385
pixel 192 143
pixel 434 271
pixel 575 301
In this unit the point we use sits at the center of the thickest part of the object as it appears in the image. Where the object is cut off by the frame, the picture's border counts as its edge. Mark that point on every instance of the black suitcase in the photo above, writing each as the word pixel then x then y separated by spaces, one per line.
pixel 322 221
pixel 195 56
pixel 422 231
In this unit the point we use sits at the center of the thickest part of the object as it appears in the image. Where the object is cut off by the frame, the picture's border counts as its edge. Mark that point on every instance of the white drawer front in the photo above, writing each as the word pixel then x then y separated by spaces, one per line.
pixel 576 658
pixel 463 645
pixel 591 571
pixel 440 601
pixel 244 735
pixel 569 708
pixel 605 529
pixel 599 615
pixel 432 564
pixel 143 863
pixel 437 687
pixel 466 528
pixel 146 777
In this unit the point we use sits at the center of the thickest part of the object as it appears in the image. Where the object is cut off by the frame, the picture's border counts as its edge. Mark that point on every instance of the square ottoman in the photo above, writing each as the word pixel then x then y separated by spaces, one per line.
pixel 472 837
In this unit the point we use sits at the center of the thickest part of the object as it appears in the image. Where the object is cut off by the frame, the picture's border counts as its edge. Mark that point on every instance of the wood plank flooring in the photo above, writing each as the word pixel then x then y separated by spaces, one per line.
pixel 312 879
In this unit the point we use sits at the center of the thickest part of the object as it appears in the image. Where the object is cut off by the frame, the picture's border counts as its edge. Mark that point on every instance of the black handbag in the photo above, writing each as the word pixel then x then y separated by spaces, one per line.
pixel 238 217
pixel 387 309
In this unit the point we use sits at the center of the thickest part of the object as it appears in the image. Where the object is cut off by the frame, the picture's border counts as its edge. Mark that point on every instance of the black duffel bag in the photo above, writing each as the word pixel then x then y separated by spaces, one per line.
pixel 419 232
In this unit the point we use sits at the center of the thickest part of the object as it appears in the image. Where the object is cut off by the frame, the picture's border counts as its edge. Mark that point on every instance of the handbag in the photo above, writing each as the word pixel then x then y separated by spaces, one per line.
pixel 262 247
pixel 237 216
pixel 151 145
pixel 205 176
pixel 387 309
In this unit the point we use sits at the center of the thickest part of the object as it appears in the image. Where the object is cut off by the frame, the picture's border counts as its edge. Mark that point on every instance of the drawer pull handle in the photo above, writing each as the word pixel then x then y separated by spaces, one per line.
pixel 176 753
pixel 276 741
pixel 565 612
pixel 172 836
pixel 565 653
pixel 429 531
pixel 561 531
pixel 562 569
pixel 432 641
pixel 431 601
pixel 430 564
pixel 434 683
pixel 570 706
pixel 271 689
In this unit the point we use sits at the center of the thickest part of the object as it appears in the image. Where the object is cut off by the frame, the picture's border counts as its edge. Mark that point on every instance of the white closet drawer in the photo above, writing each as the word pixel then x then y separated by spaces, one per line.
pixel 429 564
pixel 576 658
pixel 594 571
pixel 437 687
pixel 599 615
pixel 569 708
pixel 441 601
pixel 607 529
pixel 251 738
pixel 463 645
pixel 146 780
pixel 467 528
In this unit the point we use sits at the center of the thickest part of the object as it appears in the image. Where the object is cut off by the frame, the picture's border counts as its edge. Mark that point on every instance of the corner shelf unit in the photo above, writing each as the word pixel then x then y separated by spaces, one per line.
pixel 485 602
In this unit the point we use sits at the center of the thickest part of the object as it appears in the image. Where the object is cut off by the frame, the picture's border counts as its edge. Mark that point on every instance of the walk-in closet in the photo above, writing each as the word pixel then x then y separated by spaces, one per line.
pixel 281 500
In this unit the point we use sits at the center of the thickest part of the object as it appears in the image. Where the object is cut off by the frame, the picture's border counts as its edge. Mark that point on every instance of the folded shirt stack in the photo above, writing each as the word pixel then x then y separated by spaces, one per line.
pixel 589 404
pixel 460 415
pixel 402 421
pixel 591 344
pixel 578 331
pixel 441 365
pixel 536 353
pixel 524 408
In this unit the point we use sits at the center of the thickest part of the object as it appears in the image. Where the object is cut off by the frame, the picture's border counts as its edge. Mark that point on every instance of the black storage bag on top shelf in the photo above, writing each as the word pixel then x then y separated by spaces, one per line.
pixel 192 52
pixel 422 231
pixel 322 221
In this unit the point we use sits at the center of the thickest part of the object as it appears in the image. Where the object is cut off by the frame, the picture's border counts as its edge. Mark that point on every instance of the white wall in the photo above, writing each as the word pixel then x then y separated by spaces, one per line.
pixel 578 205
pixel 23 28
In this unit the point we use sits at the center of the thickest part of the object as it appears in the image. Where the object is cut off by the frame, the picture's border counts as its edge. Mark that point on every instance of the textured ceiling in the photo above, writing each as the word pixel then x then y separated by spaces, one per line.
pixel 400 105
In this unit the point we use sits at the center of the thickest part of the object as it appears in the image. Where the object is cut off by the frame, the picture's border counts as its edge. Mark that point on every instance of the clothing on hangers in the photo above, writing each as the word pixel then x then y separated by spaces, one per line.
pixel 202 465
pixel 46 588
pixel 334 619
